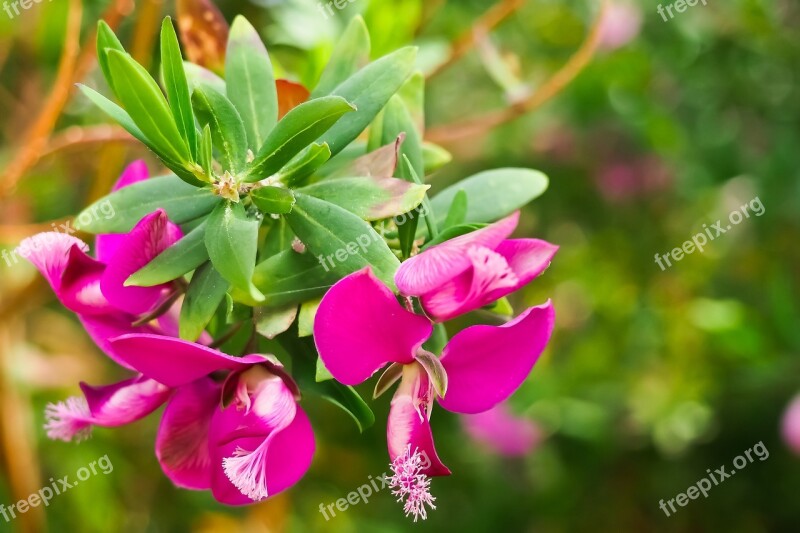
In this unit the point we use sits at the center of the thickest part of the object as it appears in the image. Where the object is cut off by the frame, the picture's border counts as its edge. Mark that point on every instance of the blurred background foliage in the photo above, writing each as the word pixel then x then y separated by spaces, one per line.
pixel 652 376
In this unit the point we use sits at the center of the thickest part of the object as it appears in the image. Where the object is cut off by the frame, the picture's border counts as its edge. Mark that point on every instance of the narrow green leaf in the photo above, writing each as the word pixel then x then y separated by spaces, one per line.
pixel 378 163
pixel 305 322
pixel 322 373
pixel 369 90
pixel 277 200
pixel 179 259
pixel 181 201
pixel 251 82
pixel 345 242
pixel 206 151
pixel 206 291
pixel 493 194
pixel 232 243
pixel 177 86
pixel 278 236
pixel 458 210
pixel 106 39
pixel 290 277
pixel 350 54
pixel 434 157
pixel 227 130
pixel 369 198
pixel 294 132
pixel 304 164
pixel 197 76
pixel 271 322
pixel 147 106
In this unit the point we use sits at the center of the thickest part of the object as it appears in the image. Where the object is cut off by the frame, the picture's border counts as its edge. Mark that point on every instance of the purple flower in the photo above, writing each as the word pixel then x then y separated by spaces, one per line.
pixel 360 327
pixel 791 425
pixel 257 443
pixel 473 270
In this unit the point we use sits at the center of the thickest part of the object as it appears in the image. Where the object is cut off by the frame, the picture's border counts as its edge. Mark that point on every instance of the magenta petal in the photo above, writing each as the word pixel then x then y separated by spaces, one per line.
pixel 103 328
pixel 441 263
pixel 124 402
pixel 50 253
pixel 182 445
pixel 405 427
pixel 107 244
pixel 790 425
pixel 502 432
pixel 175 362
pixel 360 327
pixel 527 258
pixel 151 236
pixel 486 364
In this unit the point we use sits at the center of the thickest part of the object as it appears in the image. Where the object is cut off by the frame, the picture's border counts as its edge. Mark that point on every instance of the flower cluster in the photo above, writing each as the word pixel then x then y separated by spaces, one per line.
pixel 205 289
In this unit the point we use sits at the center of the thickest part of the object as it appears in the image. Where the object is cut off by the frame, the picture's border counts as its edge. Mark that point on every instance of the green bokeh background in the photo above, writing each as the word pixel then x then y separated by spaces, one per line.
pixel 652 376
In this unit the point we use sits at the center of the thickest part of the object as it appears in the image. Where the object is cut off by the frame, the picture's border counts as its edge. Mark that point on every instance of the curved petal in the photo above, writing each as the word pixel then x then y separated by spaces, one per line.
pixel 107 406
pixel 73 275
pixel 441 263
pixel 405 427
pixel 175 362
pixel 103 328
pixel 151 236
pixel 494 274
pixel 360 327
pixel 486 364
pixel 260 447
pixel 107 244
pixel 182 443
pixel 502 432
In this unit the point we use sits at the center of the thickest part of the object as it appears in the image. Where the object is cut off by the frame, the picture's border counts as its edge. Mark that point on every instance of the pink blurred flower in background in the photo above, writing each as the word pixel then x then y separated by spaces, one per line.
pixel 502 432
pixel 620 25
pixel 791 425
pixel 624 180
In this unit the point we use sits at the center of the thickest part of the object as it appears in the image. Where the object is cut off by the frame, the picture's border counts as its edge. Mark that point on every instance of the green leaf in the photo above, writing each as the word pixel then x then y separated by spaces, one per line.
pixel 272 322
pixel 322 373
pixel 378 163
pixel 181 201
pixel 493 194
pixel 299 128
pixel 278 236
pixel 289 277
pixel 369 90
pixel 369 198
pixel 106 40
pixel 350 54
pixel 304 366
pixel 251 82
pixel 396 120
pixel 147 106
pixel 501 307
pixel 177 86
pixel 458 211
pixel 232 244
pixel 308 311
pixel 434 157
pixel 198 76
pixel 206 291
pixel 117 113
pixel 277 200
pixel 296 172
pixel 227 130
pixel 179 259
pixel 206 150
pixel 345 242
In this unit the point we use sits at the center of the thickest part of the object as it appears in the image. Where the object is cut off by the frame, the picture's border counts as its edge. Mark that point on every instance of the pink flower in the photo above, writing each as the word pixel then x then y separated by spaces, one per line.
pixel 94 288
pixel 473 270
pixel 621 24
pixel 258 443
pixel 360 327
pixel 791 425
pixel 502 432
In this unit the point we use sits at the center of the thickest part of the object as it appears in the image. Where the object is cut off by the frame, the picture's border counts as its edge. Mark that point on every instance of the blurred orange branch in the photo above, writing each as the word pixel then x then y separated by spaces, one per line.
pixel 550 88
pixel 75 61
pixel 486 23
pixel 77 136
